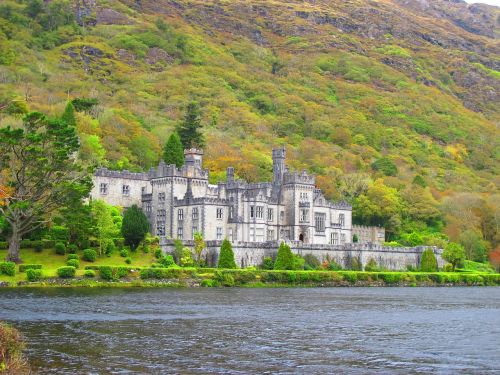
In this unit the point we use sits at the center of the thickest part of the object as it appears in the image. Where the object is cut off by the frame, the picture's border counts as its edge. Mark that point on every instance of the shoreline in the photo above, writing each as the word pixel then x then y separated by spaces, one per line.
pixel 215 278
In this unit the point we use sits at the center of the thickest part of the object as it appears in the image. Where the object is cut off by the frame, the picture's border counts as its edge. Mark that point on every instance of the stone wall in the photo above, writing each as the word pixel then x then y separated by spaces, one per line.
pixel 251 254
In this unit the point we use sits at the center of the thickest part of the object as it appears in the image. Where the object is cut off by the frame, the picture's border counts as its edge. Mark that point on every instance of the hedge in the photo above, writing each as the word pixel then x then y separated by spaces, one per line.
pixel 166 273
pixel 33 274
pixel 4 245
pixel 66 272
pixel 7 268
pixel 25 267
pixel 110 273
pixel 73 263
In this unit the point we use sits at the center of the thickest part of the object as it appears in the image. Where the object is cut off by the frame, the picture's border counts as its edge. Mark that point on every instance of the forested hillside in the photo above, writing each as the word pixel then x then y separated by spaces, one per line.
pixel 393 104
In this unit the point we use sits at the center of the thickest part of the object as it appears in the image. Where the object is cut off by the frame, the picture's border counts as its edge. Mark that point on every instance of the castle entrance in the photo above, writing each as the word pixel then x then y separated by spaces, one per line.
pixel 301 237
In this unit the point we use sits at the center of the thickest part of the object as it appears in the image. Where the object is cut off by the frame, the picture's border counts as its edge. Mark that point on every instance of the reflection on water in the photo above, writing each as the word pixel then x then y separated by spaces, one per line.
pixel 236 331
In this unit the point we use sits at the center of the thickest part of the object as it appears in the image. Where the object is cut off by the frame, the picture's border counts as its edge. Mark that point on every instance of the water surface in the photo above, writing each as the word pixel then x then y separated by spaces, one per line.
pixel 239 331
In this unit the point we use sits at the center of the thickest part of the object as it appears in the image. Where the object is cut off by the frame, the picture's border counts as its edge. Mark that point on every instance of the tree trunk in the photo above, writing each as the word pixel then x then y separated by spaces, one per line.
pixel 14 245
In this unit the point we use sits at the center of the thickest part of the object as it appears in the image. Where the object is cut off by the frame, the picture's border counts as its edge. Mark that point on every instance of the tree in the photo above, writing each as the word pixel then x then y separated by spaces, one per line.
pixel 454 253
pixel 199 246
pixel 68 115
pixel 226 256
pixel 284 259
pixel 105 228
pixel 135 226
pixel 428 261
pixel 39 167
pixel 189 130
pixel 474 246
pixel 385 166
pixel 173 152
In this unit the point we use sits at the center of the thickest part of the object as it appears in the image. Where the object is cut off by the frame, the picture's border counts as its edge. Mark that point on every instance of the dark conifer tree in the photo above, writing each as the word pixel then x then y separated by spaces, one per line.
pixel 226 257
pixel 173 152
pixel 135 225
pixel 190 129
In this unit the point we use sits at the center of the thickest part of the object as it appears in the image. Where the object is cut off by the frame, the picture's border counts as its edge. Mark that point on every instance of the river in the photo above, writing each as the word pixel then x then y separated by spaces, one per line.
pixel 240 331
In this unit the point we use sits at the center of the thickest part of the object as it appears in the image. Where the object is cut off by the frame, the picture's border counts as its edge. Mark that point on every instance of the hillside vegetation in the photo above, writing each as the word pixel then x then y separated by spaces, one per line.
pixel 393 104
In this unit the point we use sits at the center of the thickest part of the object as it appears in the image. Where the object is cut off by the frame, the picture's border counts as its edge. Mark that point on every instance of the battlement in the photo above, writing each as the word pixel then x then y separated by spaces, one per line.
pixel 104 172
pixel 296 178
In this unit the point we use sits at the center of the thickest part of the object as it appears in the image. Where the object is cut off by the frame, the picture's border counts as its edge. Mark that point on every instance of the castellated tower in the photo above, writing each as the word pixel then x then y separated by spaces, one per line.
pixel 279 155
pixel 193 157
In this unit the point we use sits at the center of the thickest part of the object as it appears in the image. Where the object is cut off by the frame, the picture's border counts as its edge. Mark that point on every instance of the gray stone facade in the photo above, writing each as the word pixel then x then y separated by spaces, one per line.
pixel 369 235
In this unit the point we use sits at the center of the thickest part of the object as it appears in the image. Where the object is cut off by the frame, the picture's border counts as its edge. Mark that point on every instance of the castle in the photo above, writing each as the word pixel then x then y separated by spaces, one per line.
pixel 255 217
pixel 180 202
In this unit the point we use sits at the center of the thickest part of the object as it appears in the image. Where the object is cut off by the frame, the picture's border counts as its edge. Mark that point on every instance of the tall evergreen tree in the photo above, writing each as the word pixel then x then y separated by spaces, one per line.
pixel 226 256
pixel 190 129
pixel 173 152
pixel 285 258
pixel 428 262
pixel 135 225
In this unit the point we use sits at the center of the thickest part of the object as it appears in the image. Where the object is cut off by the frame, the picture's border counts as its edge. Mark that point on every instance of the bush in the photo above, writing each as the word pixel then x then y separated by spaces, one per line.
pixel 372 266
pixel 72 256
pixel 267 263
pixel 12 360
pixel 226 256
pixel 223 278
pixel 355 264
pixel 128 260
pixel 73 263
pixel 72 249
pixel 89 255
pixel 25 267
pixel 89 273
pixel 4 245
pixel 334 266
pixel 110 273
pixel 38 247
pixel 124 253
pixel 285 258
pixel 311 262
pixel 158 253
pixel 8 268
pixel 110 248
pixel 60 248
pixel 167 261
pixel 33 274
pixel 66 272
pixel 428 262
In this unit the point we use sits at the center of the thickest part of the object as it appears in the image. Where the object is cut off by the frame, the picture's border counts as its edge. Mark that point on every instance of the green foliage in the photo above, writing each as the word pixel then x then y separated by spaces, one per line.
pixel 105 227
pixel 428 262
pixel 189 129
pixel 285 258
pixel 186 259
pixel 7 268
pixel 167 261
pixel 60 248
pixel 89 273
pixel 386 166
pixel 372 266
pixel 128 260
pixel 135 225
pixel 355 238
pixel 334 266
pixel 475 247
pixel 73 263
pixel 454 253
pixel 84 104
pixel 226 256
pixel 66 272
pixel 73 256
pixel 25 267
pixel 89 255
pixel 267 263
pixel 111 273
pixel 311 262
pixel 33 274
pixel 71 249
pixel 68 115
pixel 158 253
pixel 124 253
pixel 173 152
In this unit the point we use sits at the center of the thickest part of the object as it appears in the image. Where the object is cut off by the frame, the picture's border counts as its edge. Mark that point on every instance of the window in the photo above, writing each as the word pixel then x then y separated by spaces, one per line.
pixel 334 239
pixel 341 219
pixel 252 212
pixel 304 196
pixel 161 214
pixel 103 188
pixel 319 222
pixel 148 207
pixel 219 213
pixel 194 230
pixel 161 197
pixel 342 238
pixel 259 235
pixel 270 235
pixel 231 212
pixel 230 234
pixel 126 190
pixel 304 215
pixel 195 213
pixel 270 215
pixel 219 233
pixel 160 228
pixel 259 212
pixel 282 215
pixel 180 233
pixel 180 214
pixel 252 235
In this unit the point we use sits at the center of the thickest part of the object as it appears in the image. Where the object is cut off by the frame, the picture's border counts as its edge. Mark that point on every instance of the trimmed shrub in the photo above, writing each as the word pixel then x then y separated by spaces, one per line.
pixel 267 263
pixel 72 256
pixel 7 268
pixel 124 253
pixel 73 263
pixel 89 255
pixel 110 248
pixel 89 273
pixel 128 260
pixel 223 278
pixel 110 273
pixel 166 273
pixel 60 248
pixel 33 274
pixel 66 272
pixel 38 247
pixel 284 259
pixel 158 254
pixel 352 277
pixel 72 249
pixel 167 261
pixel 25 267
pixel 226 256
pixel 372 266
pixel 428 262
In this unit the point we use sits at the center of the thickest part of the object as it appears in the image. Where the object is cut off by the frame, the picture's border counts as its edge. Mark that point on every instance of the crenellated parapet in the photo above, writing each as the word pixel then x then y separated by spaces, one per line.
pixel 298 178
pixel 104 172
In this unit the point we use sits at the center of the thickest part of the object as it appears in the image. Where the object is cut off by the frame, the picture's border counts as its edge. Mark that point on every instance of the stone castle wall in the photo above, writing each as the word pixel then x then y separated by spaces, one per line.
pixel 251 254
